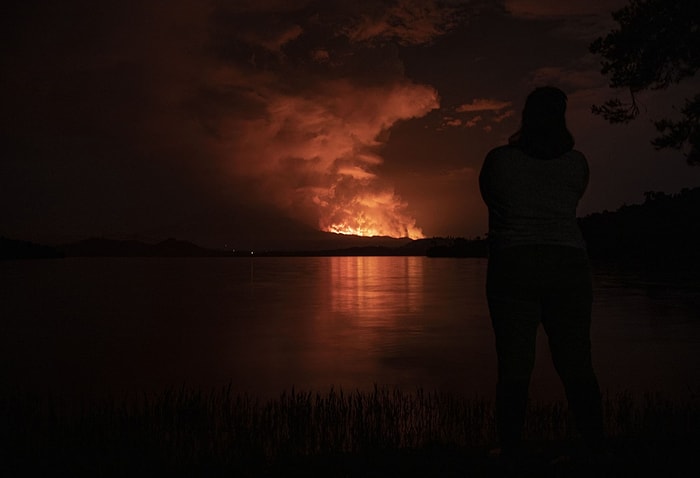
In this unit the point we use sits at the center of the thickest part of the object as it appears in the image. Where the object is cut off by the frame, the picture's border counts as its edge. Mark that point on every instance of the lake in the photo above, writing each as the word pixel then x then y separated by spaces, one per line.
pixel 267 324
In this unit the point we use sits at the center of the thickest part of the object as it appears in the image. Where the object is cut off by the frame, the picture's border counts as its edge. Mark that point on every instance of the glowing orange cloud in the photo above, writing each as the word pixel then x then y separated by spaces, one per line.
pixel 317 155
pixel 309 140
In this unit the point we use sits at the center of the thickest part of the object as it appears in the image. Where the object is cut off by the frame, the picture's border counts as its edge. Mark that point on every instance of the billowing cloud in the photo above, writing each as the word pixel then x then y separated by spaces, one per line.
pixel 310 144
pixel 450 121
pixel 488 111
pixel 285 103
pixel 483 104
pixel 316 155
pixel 505 115
pixel 320 55
pixel 310 140
pixel 474 121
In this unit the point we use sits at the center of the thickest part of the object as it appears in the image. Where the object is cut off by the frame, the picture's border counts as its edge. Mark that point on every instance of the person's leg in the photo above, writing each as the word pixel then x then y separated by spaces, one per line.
pixel 515 316
pixel 566 317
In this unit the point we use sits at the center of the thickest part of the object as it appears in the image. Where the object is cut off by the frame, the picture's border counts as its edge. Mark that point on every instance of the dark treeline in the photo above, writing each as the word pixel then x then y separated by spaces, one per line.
pixel 663 232
pixel 101 247
pixel 458 247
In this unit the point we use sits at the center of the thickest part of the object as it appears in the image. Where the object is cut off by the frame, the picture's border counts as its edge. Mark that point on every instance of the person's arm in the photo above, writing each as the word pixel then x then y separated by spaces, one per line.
pixel 485 178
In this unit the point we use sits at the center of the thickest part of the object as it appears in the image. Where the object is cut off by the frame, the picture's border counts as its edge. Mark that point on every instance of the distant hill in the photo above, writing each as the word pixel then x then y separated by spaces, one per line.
pixel 365 246
pixel 100 247
pixel 16 249
pixel 103 247
pixel 662 232
pixel 324 242
pixel 458 247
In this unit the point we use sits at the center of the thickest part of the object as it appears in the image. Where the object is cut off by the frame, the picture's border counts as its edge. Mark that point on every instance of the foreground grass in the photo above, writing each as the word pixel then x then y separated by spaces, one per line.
pixel 383 432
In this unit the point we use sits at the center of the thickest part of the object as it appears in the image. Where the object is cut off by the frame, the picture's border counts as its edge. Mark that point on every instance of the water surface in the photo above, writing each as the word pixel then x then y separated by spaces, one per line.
pixel 265 324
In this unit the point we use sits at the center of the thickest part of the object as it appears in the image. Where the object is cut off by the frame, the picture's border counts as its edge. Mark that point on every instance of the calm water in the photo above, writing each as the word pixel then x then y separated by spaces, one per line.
pixel 267 324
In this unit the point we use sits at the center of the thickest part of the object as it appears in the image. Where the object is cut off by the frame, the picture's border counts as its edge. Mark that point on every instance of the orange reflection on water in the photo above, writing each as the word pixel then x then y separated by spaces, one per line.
pixel 370 311
pixel 375 289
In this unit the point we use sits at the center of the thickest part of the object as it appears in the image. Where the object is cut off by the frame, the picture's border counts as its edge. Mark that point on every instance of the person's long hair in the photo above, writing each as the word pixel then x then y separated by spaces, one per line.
pixel 543 132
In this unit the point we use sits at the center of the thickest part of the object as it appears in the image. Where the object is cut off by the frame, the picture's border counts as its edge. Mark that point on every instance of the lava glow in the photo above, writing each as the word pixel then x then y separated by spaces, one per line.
pixel 360 225
pixel 366 213
pixel 353 231
pixel 371 231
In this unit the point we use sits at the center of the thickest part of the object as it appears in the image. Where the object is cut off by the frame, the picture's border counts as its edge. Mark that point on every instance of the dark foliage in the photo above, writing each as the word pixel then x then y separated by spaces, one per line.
pixel 677 133
pixel 663 232
pixel 654 47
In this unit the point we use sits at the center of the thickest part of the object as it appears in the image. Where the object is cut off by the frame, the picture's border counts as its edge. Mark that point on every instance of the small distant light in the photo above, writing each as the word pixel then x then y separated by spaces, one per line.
pixel 251 253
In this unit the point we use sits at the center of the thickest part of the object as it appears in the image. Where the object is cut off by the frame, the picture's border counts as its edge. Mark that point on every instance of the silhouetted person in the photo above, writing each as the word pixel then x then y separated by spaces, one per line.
pixel 538 268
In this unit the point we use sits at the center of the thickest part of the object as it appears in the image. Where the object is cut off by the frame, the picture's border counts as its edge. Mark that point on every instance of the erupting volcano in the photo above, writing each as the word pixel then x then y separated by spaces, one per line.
pixel 368 214
pixel 316 156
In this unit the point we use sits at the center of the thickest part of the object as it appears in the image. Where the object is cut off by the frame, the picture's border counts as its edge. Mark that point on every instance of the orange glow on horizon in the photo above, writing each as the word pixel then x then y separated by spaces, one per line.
pixel 354 208
pixel 352 231
pixel 349 230
pixel 370 215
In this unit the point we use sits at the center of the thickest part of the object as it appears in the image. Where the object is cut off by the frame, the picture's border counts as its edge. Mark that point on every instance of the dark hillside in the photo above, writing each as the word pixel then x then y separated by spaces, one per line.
pixel 663 231
pixel 100 247
pixel 15 249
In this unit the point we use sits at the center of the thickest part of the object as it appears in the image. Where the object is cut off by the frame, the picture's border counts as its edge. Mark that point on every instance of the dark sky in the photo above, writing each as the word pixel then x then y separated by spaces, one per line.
pixel 231 122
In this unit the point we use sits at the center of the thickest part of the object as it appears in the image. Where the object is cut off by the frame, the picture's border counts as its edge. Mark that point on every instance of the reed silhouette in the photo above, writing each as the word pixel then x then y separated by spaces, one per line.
pixel 379 432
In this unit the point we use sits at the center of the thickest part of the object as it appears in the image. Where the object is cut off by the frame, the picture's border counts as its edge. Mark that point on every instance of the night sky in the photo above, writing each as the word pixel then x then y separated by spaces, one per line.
pixel 236 123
